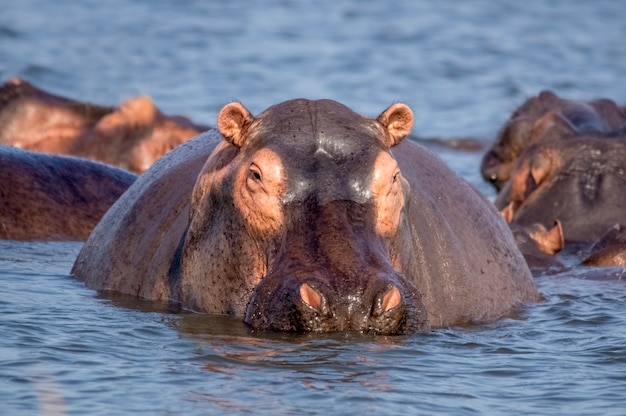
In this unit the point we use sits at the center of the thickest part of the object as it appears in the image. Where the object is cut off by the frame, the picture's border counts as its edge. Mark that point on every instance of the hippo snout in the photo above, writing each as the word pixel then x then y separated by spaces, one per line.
pixel 312 306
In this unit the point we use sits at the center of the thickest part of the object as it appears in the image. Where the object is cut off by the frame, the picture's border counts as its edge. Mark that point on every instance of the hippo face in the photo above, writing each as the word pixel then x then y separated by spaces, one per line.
pixel 514 136
pixel 317 200
pixel 534 122
pixel 577 182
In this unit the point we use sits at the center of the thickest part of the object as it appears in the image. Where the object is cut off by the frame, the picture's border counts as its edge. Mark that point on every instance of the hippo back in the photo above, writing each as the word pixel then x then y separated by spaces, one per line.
pixel 463 257
pixel 50 197
pixel 139 235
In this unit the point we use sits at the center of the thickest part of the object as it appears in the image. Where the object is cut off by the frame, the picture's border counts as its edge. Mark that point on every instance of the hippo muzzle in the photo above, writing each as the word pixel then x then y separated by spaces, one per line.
pixel 288 304
pixel 335 276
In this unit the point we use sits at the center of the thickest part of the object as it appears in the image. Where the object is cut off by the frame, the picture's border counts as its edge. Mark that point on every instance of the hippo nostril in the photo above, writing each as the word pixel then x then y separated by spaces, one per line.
pixel 391 299
pixel 311 296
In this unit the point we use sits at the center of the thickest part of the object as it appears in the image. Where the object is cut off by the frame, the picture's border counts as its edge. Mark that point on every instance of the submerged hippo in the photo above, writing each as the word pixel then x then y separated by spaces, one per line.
pixel 529 122
pixel 310 217
pixel 539 245
pixel 50 197
pixel 132 136
pixel 610 249
pixel 581 182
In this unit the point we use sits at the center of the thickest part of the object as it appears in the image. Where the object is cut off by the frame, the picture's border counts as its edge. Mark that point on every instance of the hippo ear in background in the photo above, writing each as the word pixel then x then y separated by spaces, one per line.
pixel 508 212
pixel 547 96
pixel 551 125
pixel 540 168
pixel 141 109
pixel 232 122
pixel 138 111
pixel 549 241
pixel 398 120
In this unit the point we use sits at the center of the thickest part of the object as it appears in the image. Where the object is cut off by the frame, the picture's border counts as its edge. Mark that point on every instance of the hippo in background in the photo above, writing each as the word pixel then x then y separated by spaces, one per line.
pixel 539 246
pixel 610 249
pixel 528 125
pixel 51 197
pixel 132 136
pixel 310 217
pixel 580 181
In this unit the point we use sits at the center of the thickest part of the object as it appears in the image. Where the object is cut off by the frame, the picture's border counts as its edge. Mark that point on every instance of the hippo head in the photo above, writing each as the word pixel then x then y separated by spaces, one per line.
pixel 513 138
pixel 576 182
pixel 298 215
pixel 541 118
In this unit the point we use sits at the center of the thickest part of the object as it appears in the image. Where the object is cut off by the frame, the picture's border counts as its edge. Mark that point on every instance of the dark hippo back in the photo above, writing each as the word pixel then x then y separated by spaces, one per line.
pixel 49 197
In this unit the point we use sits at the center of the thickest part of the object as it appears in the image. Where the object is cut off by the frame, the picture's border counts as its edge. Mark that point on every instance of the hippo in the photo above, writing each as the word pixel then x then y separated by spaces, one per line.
pixel 579 182
pixel 310 217
pixel 527 125
pixel 609 250
pixel 539 245
pixel 132 136
pixel 52 197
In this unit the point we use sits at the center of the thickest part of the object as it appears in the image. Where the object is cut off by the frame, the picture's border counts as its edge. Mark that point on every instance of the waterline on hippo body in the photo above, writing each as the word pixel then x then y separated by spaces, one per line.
pixel 267 227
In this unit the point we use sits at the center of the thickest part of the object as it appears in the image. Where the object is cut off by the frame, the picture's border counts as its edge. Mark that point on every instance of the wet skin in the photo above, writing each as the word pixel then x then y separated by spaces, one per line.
pixel 310 217
pixel 610 249
pixel 526 125
pixel 539 245
pixel 50 197
pixel 579 182
pixel 131 136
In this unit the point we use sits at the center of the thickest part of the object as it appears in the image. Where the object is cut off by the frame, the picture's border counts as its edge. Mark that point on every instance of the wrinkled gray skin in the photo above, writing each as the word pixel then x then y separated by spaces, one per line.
pixel 584 187
pixel 175 237
pixel 600 116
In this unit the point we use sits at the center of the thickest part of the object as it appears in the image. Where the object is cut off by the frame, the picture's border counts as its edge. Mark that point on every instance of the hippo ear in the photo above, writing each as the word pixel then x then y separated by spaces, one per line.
pixel 550 126
pixel 508 212
pixel 398 120
pixel 548 96
pixel 540 168
pixel 141 109
pixel 138 111
pixel 232 122
pixel 549 241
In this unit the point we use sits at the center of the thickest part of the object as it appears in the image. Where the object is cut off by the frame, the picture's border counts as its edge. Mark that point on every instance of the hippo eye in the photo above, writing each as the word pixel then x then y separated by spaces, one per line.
pixel 395 177
pixel 255 173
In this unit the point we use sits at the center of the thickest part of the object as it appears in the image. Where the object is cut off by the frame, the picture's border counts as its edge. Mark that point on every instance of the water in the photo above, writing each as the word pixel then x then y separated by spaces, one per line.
pixel 462 67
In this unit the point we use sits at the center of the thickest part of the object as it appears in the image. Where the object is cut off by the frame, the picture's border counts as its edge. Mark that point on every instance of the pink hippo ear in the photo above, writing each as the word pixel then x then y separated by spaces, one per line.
pixel 138 111
pixel 549 241
pixel 398 120
pixel 508 212
pixel 232 122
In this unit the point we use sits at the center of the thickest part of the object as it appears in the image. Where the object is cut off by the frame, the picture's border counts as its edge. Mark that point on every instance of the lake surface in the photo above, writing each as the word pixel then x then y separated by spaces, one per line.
pixel 462 66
